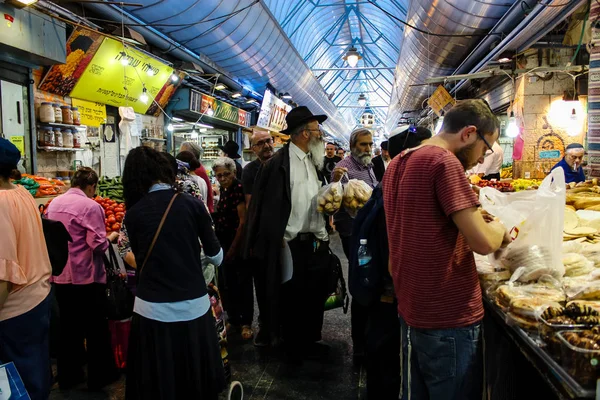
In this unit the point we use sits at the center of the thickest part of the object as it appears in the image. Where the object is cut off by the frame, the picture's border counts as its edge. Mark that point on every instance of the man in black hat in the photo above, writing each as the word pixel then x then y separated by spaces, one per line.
pixel 230 149
pixel 287 234
pixel 571 163
pixel 381 162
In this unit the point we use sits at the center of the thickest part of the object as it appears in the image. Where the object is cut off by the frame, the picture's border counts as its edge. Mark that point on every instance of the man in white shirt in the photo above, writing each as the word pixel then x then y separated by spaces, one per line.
pixel 285 229
pixel 492 164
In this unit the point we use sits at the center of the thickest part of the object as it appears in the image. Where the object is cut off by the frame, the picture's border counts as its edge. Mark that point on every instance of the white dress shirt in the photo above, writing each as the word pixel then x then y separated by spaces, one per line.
pixel 492 163
pixel 304 185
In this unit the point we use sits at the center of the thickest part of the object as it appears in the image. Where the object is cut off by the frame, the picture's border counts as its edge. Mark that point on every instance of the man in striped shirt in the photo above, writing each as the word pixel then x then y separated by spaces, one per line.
pixel 434 226
pixel 357 166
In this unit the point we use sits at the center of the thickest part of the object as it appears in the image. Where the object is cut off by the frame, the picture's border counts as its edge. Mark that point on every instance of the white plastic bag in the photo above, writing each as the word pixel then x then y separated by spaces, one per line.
pixel 356 195
pixel 536 221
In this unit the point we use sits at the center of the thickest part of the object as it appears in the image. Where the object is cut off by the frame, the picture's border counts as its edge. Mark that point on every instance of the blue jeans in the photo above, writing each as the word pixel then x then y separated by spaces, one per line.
pixel 442 364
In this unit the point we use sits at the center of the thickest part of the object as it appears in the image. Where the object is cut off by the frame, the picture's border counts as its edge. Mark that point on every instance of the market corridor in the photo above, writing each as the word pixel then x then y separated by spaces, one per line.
pixel 264 376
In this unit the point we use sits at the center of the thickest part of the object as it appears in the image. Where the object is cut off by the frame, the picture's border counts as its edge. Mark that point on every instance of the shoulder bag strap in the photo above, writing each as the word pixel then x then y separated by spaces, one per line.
pixel 162 222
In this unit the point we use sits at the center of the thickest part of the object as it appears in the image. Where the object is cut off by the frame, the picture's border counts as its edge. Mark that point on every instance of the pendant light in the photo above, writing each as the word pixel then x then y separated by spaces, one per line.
pixel 439 124
pixel 512 130
pixel 352 56
pixel 144 96
pixel 124 59
pixel 209 111
pixel 362 100
pixel 174 77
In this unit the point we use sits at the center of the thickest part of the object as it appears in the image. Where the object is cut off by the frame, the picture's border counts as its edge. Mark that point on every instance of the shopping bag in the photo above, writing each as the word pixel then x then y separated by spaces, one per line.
pixel 119 299
pixel 119 335
pixel 336 286
pixel 11 384
pixel 329 198
pixel 535 221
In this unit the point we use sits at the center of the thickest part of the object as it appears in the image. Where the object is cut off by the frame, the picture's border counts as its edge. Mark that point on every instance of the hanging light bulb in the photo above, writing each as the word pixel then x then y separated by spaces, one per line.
pixel 144 96
pixel 352 56
pixel 174 77
pixel 209 111
pixel 573 115
pixel 150 71
pixel 124 59
pixel 512 130
pixel 573 128
pixel 439 124
pixel 170 128
pixel 362 100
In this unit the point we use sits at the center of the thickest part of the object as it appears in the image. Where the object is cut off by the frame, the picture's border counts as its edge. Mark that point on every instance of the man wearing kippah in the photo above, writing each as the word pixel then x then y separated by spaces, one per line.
pixel 571 163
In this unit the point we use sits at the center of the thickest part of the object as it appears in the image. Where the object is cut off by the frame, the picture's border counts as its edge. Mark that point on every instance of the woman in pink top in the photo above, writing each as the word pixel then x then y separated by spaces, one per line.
pixel 80 288
pixel 24 281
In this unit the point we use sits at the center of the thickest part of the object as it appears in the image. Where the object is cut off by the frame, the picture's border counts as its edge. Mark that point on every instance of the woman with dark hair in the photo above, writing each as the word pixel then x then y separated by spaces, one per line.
pixel 173 352
pixel 24 281
pixel 187 160
pixel 81 287
pixel 201 172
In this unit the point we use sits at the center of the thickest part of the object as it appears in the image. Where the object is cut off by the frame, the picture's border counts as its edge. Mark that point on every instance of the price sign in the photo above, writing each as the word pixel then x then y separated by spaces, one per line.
pixel 91 113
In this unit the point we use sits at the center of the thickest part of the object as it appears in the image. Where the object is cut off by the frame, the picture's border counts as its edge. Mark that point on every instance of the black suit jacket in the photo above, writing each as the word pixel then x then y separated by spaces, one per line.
pixel 378 168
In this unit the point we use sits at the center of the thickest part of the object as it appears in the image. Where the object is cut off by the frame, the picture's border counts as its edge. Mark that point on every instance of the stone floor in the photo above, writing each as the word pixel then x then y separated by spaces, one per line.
pixel 265 377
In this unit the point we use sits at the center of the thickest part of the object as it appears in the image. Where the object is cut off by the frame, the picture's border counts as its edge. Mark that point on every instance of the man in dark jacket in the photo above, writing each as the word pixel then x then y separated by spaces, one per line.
pixel 289 236
pixel 381 162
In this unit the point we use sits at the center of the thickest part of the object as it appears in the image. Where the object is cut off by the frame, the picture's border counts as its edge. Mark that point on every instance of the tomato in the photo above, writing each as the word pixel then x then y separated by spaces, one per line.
pixel 119 218
pixel 111 220
pixel 109 212
pixel 116 227
pixel 99 200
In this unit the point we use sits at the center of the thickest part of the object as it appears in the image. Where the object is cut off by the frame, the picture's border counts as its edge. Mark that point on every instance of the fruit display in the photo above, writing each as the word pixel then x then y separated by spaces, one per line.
pixel 329 199
pixel 526 184
pixel 114 213
pixel 506 172
pixel 356 195
pixel 41 187
pixel 498 185
pixel 111 188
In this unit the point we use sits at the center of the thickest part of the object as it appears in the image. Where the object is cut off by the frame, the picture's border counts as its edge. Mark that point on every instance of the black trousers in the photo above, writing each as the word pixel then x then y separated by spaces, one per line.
pixel 383 352
pixel 84 336
pixel 237 292
pixel 358 313
pixel 260 287
pixel 492 176
pixel 303 297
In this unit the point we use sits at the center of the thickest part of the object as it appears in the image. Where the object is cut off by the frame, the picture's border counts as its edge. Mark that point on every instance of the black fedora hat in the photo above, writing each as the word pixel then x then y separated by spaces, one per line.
pixel 231 149
pixel 300 116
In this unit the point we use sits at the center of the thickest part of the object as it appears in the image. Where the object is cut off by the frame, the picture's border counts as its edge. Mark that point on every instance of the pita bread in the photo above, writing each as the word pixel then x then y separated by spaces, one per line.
pixel 571 220
pixel 581 231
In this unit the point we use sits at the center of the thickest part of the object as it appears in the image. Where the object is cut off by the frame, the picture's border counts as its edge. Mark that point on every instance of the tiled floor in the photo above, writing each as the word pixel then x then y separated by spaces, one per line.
pixel 265 377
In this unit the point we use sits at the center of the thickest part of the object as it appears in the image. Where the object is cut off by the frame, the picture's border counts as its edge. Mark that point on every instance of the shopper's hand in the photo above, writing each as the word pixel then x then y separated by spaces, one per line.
pixel 476 189
pixel 506 240
pixel 338 173
pixel 487 216
pixel 113 237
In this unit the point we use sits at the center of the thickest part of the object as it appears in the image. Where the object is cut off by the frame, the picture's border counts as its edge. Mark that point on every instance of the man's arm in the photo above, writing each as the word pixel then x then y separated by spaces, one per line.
pixel 482 237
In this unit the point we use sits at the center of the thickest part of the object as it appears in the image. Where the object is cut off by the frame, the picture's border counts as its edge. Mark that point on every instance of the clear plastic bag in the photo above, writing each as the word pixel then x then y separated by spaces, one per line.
pixel 535 220
pixel 356 195
pixel 329 198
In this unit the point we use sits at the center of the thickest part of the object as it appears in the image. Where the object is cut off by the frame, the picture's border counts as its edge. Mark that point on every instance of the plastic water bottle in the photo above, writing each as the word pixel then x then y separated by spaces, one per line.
pixel 364 260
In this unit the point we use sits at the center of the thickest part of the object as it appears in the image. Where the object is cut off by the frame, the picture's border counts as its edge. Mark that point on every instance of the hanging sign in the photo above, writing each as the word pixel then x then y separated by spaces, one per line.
pixel 107 81
pixel 550 154
pixel 272 113
pixel 440 99
pixel 201 103
pixel 91 114
pixel 19 142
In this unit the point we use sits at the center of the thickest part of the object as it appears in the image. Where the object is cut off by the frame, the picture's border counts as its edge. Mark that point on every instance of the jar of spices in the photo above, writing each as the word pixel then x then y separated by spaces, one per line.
pixel 58 139
pixel 46 113
pixel 57 113
pixel 76 117
pixel 76 139
pixel 49 140
pixel 67 136
pixel 67 115
pixel 42 137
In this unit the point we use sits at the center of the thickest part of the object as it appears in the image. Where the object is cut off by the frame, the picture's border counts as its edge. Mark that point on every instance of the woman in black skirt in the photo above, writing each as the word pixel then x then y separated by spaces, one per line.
pixel 173 351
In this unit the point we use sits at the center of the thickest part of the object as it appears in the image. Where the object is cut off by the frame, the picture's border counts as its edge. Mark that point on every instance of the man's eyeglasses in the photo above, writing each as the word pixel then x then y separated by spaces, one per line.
pixel 486 142
pixel 223 175
pixel 263 142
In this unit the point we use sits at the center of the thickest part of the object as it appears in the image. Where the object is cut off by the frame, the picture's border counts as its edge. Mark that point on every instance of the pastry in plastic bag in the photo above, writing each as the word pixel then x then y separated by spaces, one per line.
pixel 356 195
pixel 329 198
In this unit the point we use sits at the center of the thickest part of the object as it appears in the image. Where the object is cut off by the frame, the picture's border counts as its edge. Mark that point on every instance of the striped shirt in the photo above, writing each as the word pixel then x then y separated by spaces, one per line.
pixel 357 170
pixel 433 268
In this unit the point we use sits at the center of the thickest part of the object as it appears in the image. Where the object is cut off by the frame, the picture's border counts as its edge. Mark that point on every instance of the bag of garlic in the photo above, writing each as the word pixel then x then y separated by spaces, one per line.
pixel 329 198
pixel 356 195
pixel 536 222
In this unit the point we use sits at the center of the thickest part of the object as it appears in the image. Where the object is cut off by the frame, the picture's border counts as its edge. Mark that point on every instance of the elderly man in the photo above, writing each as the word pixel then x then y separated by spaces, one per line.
pixel 288 235
pixel 262 145
pixel 571 163
pixel 357 166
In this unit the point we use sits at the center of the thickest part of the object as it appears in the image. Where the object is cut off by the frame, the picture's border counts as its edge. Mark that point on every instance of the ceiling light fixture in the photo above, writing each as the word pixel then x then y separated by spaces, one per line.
pixel 439 124
pixel 352 56
pixel 124 59
pixel 209 111
pixel 362 100
pixel 236 95
pixel 287 96
pixel 26 2
pixel 170 128
pixel 150 71
pixel 174 77
pixel 220 86
pixel 144 96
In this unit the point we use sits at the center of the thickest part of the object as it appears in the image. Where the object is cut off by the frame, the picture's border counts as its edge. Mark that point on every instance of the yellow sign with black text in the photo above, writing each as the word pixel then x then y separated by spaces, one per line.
pixel 90 113
pixel 106 80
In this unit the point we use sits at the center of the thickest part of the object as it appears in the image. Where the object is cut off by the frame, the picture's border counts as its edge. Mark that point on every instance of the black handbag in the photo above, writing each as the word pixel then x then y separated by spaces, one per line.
pixel 337 285
pixel 119 299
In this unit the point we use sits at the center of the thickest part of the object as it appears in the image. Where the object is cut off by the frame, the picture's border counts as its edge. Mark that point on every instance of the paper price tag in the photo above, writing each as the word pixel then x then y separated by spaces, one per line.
pixel 4 385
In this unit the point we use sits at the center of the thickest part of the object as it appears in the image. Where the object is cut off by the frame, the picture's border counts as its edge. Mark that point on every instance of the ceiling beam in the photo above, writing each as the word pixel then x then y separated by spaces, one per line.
pixel 352 69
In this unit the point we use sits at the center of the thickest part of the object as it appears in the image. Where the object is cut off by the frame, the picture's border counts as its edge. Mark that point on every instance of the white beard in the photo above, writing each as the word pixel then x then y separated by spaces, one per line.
pixel 316 148
pixel 364 158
